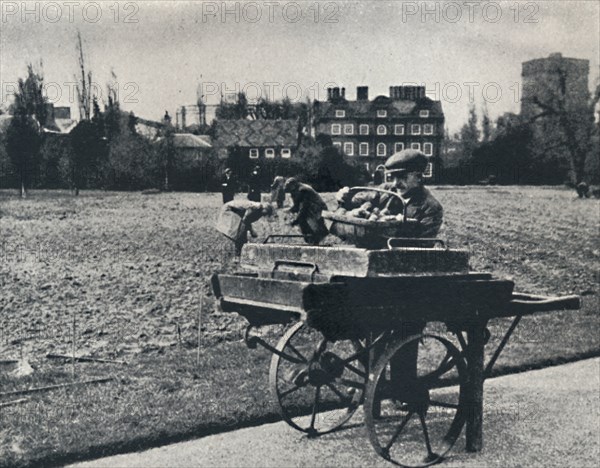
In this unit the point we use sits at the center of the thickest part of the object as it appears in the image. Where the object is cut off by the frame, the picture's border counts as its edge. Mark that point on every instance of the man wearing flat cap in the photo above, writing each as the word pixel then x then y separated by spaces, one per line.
pixel 404 171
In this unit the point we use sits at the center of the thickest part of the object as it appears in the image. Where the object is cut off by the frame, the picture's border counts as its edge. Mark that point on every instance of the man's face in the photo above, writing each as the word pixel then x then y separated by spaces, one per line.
pixel 406 181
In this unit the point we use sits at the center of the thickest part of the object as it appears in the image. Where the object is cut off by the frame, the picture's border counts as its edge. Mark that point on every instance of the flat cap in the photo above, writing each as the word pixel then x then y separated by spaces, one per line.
pixel 408 160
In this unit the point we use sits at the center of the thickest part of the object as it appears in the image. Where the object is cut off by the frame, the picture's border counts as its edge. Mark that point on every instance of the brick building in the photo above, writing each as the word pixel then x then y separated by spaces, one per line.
pixel 257 139
pixel 373 130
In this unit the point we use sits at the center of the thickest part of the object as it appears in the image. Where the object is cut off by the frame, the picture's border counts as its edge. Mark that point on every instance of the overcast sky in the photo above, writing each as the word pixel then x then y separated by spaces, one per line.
pixel 161 51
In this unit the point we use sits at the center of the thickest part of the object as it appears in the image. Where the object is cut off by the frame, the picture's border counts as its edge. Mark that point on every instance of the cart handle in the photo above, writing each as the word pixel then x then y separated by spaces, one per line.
pixel 272 236
pixel 534 303
pixel 415 240
pixel 314 266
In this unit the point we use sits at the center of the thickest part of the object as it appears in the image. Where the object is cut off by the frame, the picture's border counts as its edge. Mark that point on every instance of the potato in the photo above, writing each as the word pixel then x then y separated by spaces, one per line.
pixel 373 217
pixel 340 211
pixel 375 211
pixel 366 206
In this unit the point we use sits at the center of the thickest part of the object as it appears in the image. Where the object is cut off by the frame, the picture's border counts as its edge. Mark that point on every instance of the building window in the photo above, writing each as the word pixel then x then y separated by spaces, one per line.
pixel 399 129
pixel 336 129
pixel 349 148
pixel 269 153
pixel 416 146
pixel 428 170
pixel 364 149
pixel 428 149
pixel 415 129
pixel 340 113
pixel 381 149
pixel 254 153
pixel 286 153
pixel 363 129
pixel 428 129
pixel 349 129
pixel 337 144
pixel 398 147
pixel 381 130
pixel 381 113
pixel 424 113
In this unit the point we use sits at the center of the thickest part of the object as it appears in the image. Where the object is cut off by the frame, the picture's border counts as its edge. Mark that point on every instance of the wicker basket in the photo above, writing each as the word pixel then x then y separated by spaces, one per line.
pixel 365 233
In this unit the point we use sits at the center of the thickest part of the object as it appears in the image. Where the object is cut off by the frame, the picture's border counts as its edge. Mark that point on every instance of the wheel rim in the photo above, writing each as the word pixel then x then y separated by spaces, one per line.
pixel 317 384
pixel 415 419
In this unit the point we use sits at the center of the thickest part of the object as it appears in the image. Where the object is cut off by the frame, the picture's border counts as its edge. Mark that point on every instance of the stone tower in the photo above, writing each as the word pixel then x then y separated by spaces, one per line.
pixel 545 77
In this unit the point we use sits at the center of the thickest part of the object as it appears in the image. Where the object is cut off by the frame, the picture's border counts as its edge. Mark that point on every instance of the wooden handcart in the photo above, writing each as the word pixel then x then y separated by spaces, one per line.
pixel 357 338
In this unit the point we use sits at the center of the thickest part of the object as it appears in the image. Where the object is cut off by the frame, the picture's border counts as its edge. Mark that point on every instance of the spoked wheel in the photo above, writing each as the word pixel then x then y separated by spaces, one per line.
pixel 318 384
pixel 414 412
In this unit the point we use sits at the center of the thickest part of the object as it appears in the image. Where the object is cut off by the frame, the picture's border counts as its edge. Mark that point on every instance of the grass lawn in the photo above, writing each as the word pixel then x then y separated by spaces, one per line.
pixel 127 273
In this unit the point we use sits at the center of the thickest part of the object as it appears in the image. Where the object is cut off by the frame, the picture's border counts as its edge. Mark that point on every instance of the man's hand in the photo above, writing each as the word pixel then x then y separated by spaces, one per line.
pixel 253 232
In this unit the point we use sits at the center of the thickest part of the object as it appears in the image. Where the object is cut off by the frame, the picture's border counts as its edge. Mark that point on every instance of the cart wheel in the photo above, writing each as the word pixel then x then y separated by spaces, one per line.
pixel 414 418
pixel 318 384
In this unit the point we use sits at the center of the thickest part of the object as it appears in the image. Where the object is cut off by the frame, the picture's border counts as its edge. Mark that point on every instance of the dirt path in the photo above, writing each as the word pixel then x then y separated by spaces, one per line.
pixel 549 417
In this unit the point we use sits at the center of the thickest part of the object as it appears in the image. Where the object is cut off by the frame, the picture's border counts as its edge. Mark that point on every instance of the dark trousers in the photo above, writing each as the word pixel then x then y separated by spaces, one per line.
pixel 313 236
pixel 403 365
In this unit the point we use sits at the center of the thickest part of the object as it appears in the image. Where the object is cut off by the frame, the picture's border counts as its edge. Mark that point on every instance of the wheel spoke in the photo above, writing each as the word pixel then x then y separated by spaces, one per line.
pixel 314 410
pixel 436 374
pixel 398 431
pixel 297 353
pixel 350 383
pixel 289 390
pixel 425 433
pixel 289 358
pixel 443 404
pixel 344 398
pixel 356 370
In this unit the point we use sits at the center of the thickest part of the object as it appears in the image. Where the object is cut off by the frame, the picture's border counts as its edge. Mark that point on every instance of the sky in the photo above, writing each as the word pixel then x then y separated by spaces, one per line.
pixel 166 53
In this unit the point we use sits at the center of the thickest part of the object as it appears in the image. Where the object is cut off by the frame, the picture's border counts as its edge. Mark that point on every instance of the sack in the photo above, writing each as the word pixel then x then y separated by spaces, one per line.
pixel 230 225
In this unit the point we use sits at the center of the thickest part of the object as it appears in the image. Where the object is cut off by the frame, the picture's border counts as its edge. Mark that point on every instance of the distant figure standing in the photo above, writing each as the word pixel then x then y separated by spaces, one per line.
pixel 308 205
pixel 278 191
pixel 583 190
pixel 249 212
pixel 254 185
pixel 227 185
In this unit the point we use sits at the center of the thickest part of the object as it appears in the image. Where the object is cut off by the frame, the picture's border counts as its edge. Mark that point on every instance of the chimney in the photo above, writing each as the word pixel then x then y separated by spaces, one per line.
pixel 362 93
pixel 183 119
pixel 336 93
pixel 343 93
pixel 329 94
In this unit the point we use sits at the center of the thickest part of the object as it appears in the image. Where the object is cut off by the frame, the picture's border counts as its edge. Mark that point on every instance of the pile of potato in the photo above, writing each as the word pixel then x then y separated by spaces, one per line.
pixel 369 212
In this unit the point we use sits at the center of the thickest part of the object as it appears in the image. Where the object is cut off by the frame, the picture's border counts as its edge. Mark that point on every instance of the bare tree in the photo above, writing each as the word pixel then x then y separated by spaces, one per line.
pixel 567 121
pixel 84 83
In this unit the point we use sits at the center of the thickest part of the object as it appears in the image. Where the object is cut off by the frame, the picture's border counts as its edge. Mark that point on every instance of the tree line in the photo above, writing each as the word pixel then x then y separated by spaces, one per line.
pixel 559 144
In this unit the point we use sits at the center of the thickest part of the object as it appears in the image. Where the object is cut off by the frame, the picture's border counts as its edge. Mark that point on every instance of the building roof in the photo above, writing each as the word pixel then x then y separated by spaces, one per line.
pixel 189 140
pixel 62 126
pixel 58 126
pixel 256 133
pixel 368 109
